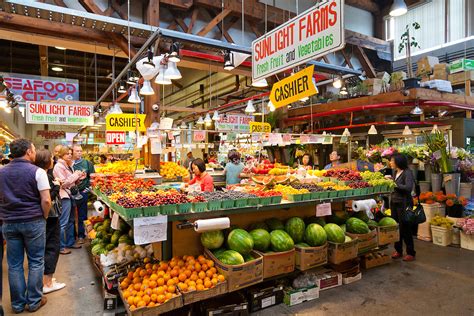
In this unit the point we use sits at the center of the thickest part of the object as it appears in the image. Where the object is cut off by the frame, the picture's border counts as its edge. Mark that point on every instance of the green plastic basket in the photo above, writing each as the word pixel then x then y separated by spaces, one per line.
pixel 324 194
pixel 364 191
pixel 241 203
pixel 276 199
pixel 316 195
pixel 306 197
pixel 253 201
pixel 169 209
pixel 184 208
pixel 214 205
pixel 151 211
pixel 265 200
pixel 333 194
pixel 370 190
pixel 378 189
pixel 226 204
pixel 294 197
pixel 356 192
pixel 130 213
pixel 199 207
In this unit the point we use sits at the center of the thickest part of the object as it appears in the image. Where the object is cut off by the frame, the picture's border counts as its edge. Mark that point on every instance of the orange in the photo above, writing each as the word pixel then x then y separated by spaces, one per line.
pixel 207 284
pixel 140 294
pixel 161 273
pixel 160 282
pixel 134 292
pixel 155 267
pixel 163 266
pixel 207 279
pixel 174 273
pixel 168 296
pixel 210 263
pixel 151 304
pixel 131 300
pixel 148 291
pixel 191 262
pixel 136 280
pixel 136 300
pixel 146 299
pixel 133 307
pixel 146 260
pixel 166 277
pixel 142 274
pixel 182 277
pixel 144 287
pixel 148 265
pixel 188 273
pixel 153 297
pixel 175 280
pixel 152 284
pixel 214 270
pixel 153 277
pixel 200 287
pixel 199 281
pixel 183 287
pixel 209 273
pixel 221 278
pixel 171 289
pixel 137 286
pixel 170 282
pixel 126 294
pixel 161 299
pixel 202 274
pixel 180 263
pixel 172 264
pixel 124 284
pixel 204 267
pixel 141 304
pixel 214 281
pixel 201 259
pixel 191 288
pixel 191 283
pixel 155 291
pixel 130 275
pixel 149 271
pixel 160 290
pixel 194 276
pixel 197 266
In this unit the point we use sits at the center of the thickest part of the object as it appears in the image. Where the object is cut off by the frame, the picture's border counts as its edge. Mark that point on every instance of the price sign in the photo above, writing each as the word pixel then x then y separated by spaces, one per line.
pixel 155 145
pixel 256 138
pixel 199 136
pixel 150 229
pixel 327 140
pixel 286 138
pixel 170 136
pixel 275 139
pixel 323 209
pixel 304 139
pixel 115 138
pixel 115 221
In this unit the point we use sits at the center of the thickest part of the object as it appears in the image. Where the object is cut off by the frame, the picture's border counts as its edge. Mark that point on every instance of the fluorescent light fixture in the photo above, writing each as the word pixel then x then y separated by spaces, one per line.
pixel 346 132
pixel 407 130
pixel 134 98
pixel 200 121
pixel 435 129
pixel 215 116
pixel 398 8
pixel 146 89
pixel 262 83
pixel 57 69
pixel 417 110
pixel 60 47
pixel 337 83
pixel 172 72
pixel 372 130
pixel 250 108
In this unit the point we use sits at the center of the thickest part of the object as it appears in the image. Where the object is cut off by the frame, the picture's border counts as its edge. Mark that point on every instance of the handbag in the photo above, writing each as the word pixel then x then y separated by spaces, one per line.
pixel 414 215
pixel 56 209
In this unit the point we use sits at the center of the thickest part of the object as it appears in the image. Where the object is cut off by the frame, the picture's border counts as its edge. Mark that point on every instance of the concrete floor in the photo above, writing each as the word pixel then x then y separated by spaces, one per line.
pixel 440 282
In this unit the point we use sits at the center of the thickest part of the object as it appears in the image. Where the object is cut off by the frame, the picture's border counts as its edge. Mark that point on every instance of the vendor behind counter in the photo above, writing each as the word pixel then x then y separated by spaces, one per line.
pixel 201 177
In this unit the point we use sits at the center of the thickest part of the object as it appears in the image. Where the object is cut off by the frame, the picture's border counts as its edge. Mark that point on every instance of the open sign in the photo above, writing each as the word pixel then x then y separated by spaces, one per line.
pixel 115 138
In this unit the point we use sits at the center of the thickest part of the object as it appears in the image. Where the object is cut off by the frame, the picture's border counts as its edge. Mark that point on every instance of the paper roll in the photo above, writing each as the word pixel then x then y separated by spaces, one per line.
pixel 204 225
pixel 99 208
pixel 364 206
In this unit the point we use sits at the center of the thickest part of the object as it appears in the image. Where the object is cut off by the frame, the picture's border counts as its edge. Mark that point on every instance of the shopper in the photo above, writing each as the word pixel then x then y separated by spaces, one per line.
pixel 84 188
pixel 233 168
pixel 56 153
pixel 24 206
pixel 401 199
pixel 44 160
pixel 334 158
pixel 201 177
pixel 307 162
pixel 68 178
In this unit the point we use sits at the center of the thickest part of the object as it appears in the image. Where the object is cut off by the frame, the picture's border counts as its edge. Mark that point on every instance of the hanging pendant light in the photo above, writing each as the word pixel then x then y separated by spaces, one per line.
pixel 172 72
pixel 183 125
pixel 250 108
pixel 343 91
pixel 228 60
pixel 372 130
pixel 134 98
pixel 417 110
pixel 200 121
pixel 435 129
pixel 215 116
pixel 398 8
pixel 146 89
pixel 304 99
pixel 161 78
pixel 149 63
pixel 117 108
pixel 337 83
pixel 174 53
pixel 208 119
pixel 346 132
pixel 407 130
pixel 262 83
pixel 122 88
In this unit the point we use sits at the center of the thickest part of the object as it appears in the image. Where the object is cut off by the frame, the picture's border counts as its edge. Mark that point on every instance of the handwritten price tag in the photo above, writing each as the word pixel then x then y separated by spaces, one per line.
pixel 323 209
pixel 150 229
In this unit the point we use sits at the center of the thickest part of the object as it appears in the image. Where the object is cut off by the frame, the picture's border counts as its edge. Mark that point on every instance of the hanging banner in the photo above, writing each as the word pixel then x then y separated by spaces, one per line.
pixel 260 127
pixel 312 34
pixel 234 122
pixel 37 88
pixel 293 88
pixel 59 113
pixel 125 122
pixel 115 138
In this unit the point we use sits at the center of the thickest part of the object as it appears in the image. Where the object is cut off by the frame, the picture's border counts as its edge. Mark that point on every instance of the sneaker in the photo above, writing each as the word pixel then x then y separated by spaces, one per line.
pixel 396 255
pixel 55 287
pixel 409 258
pixel 43 302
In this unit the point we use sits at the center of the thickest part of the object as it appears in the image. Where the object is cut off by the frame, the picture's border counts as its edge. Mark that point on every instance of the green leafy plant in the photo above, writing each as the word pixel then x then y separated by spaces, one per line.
pixel 407 42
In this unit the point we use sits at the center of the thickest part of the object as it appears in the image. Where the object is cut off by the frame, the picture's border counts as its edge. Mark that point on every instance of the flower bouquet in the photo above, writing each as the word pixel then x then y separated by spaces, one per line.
pixel 455 205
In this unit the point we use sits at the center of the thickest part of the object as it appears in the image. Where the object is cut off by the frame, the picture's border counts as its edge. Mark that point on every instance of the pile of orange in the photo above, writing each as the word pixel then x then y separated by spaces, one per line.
pixel 157 283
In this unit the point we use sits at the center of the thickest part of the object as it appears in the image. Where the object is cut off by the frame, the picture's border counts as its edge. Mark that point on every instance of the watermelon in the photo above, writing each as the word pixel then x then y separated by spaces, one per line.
pixel 347 239
pixel 240 241
pixel 295 228
pixel 315 235
pixel 371 222
pixel 123 239
pixel 343 227
pixel 315 220
pixel 274 224
pixel 261 239
pixel 231 257
pixel 387 221
pixel 110 247
pixel 281 241
pixel 218 252
pixel 212 239
pixel 123 227
pixel 361 215
pixel 334 233
pixel 261 225
pixel 302 245
pixel 97 225
pixel 357 226
pixel 95 241
pixel 97 249
pixel 248 257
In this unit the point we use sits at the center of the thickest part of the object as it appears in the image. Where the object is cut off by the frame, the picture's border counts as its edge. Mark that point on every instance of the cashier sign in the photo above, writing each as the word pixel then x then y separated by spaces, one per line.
pixel 293 88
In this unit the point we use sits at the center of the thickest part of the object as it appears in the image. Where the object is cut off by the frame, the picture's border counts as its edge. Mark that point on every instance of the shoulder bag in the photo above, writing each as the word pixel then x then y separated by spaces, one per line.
pixel 414 214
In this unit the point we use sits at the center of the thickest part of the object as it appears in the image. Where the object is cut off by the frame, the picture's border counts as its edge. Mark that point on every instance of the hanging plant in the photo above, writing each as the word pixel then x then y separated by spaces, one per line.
pixel 407 42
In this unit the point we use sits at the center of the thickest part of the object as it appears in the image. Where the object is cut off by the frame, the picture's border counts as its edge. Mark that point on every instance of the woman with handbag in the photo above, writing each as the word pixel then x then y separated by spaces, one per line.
pixel 44 160
pixel 401 200
pixel 68 178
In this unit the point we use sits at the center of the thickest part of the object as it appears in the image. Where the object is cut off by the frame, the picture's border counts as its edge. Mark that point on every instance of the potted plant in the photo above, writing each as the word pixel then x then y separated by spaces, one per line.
pixel 455 205
pixel 437 146
pixel 407 42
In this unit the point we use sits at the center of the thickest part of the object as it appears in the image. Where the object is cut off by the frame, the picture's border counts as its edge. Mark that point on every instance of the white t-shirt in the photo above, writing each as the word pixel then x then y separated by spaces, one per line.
pixel 42 180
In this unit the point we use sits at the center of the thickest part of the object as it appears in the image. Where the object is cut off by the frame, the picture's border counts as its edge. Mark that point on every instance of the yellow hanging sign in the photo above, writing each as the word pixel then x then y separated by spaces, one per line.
pixel 125 122
pixel 260 127
pixel 293 88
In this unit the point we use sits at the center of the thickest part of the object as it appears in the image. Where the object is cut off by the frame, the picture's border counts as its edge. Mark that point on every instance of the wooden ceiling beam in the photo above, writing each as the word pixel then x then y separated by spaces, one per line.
pixel 367 5
pixel 152 13
pixel 43 55
pixel 60 3
pixel 217 19
pixel 224 32
pixel 365 62
pixel 117 8
pixel 193 20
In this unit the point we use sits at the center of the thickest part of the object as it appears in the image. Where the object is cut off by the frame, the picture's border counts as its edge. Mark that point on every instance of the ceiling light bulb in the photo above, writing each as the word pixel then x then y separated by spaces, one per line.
pixel 407 130
pixel 122 88
pixel 343 91
pixel 435 129
pixel 346 132
pixel 337 83
pixel 60 48
pixel 208 119
pixel 398 8
pixel 57 69
pixel 262 83
pixel 200 121
pixel 442 113
pixel 228 60
pixel 183 125
pixel 134 98
pixel 172 72
pixel 372 130
pixel 250 108
pixel 417 110
pixel 215 116
pixel 161 78
pixel 304 99
pixel 146 89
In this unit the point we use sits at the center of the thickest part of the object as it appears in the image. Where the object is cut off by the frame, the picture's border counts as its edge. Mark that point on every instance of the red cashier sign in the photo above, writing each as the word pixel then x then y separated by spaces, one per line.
pixel 115 138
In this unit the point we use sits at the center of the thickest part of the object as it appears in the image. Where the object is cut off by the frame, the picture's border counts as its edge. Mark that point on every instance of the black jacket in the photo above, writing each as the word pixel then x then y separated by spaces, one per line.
pixel 404 186
pixel 54 191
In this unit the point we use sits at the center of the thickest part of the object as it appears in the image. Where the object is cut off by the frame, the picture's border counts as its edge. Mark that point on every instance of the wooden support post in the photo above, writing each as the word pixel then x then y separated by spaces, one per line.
pixel 469 114
pixel 43 54
pixel 365 62
pixel 193 20
pixel 213 22
pixel 151 116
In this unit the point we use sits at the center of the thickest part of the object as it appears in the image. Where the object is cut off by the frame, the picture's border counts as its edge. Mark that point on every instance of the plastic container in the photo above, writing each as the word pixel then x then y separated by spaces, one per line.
pixel 467 241
pixel 294 197
pixel 169 209
pixel 214 205
pixel 441 236
pixel 306 197
pixel 265 200
pixel 241 203
pixel 316 195
pixel 151 211
pixel 253 201
pixel 333 194
pixel 276 199
pixel 130 213
pixel 199 207
pixel 184 208
pixel 226 204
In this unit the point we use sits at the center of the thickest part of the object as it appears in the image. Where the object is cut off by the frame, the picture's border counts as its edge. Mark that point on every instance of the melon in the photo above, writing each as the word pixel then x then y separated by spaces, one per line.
pixel 258 179
pixel 218 252
pixel 315 235
pixel 302 245
pixel 261 225
pixel 274 223
pixel 281 241
pixel 362 216
pixel 371 222
pixel 295 227
pixel 334 233
pixel 387 221
pixel 212 239
pixel 357 226
pixel 261 239
pixel 315 220
pixel 339 217
pixel 347 239
pixel 240 241
pixel 231 257
pixel 281 179
pixel 343 227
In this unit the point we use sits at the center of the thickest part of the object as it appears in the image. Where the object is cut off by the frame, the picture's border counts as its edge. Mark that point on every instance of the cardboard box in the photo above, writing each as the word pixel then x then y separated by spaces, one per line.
pixel 298 296
pixel 242 275
pixel 348 268
pixel 461 77
pixel 310 257
pixel 328 279
pixel 264 295
pixel 425 64
pixel 374 260
pixel 276 263
pixel 366 241
pixel 338 253
pixel 387 234
pixel 174 303
pixel 195 296
pixel 374 85
pixel 349 280
pixel 234 304
pixel 440 71
pixel 461 65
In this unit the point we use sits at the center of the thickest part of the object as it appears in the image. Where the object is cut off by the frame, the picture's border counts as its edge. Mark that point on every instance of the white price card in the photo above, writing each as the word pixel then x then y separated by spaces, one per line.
pixel 156 146
pixel 115 221
pixel 150 229
pixel 323 209
pixel 437 155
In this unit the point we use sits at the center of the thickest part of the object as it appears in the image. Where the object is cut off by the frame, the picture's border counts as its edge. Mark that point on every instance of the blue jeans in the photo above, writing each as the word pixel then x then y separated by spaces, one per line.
pixel 82 215
pixel 66 221
pixel 30 237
